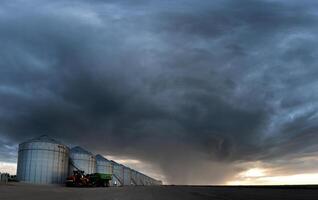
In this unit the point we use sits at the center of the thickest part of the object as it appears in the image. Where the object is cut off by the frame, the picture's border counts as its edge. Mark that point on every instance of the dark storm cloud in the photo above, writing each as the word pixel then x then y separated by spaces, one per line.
pixel 193 86
pixel 8 151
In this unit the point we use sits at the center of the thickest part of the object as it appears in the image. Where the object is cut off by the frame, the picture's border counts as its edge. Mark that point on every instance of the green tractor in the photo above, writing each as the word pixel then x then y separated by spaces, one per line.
pixel 100 180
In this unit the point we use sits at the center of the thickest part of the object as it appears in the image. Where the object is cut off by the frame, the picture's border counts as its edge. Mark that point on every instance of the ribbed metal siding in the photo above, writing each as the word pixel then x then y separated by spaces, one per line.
pixel 134 177
pixel 118 174
pixel 146 180
pixel 83 160
pixel 127 176
pixel 42 162
pixel 103 165
pixel 139 179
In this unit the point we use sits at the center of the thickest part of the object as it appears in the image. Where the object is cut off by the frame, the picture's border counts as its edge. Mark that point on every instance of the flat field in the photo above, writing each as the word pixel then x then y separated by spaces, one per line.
pixel 21 191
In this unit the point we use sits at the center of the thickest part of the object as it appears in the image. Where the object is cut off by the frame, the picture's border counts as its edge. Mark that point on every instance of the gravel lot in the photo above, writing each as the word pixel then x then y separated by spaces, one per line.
pixel 40 192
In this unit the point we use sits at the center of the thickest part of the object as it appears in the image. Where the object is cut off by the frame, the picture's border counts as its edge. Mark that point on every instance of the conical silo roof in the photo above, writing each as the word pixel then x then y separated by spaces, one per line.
pixel 114 163
pixel 80 150
pixel 101 158
pixel 44 138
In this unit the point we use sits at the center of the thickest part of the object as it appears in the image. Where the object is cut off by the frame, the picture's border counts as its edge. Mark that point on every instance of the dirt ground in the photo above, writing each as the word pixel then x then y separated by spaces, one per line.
pixel 39 192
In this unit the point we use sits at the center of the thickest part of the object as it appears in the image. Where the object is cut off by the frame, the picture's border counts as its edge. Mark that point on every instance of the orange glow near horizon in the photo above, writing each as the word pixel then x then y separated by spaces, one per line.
pixel 258 176
pixel 253 173
pixel 123 161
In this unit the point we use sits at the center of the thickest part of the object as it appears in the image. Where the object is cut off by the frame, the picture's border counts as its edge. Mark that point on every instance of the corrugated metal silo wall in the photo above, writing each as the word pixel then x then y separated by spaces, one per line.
pixel 139 179
pixel 134 177
pixel 144 179
pixel 82 161
pixel 118 174
pixel 42 162
pixel 104 166
pixel 127 176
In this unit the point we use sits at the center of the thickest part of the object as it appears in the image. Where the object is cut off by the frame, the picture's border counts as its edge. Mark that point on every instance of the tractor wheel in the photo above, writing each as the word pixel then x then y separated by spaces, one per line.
pixel 69 184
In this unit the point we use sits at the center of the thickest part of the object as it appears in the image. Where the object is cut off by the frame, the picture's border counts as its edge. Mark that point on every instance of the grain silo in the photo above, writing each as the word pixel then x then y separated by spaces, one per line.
pixel 134 180
pixel 80 159
pixel 146 180
pixel 127 176
pixel 152 181
pixel 42 160
pixel 103 165
pixel 118 174
pixel 140 179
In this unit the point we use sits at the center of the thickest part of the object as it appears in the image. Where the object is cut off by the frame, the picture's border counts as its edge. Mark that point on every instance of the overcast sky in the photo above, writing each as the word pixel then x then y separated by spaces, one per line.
pixel 197 91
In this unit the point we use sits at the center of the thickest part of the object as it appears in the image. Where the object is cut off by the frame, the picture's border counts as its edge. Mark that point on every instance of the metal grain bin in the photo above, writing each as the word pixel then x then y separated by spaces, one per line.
pixel 151 181
pixel 146 180
pixel 127 176
pixel 118 174
pixel 134 180
pixel 42 160
pixel 80 159
pixel 140 179
pixel 103 165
